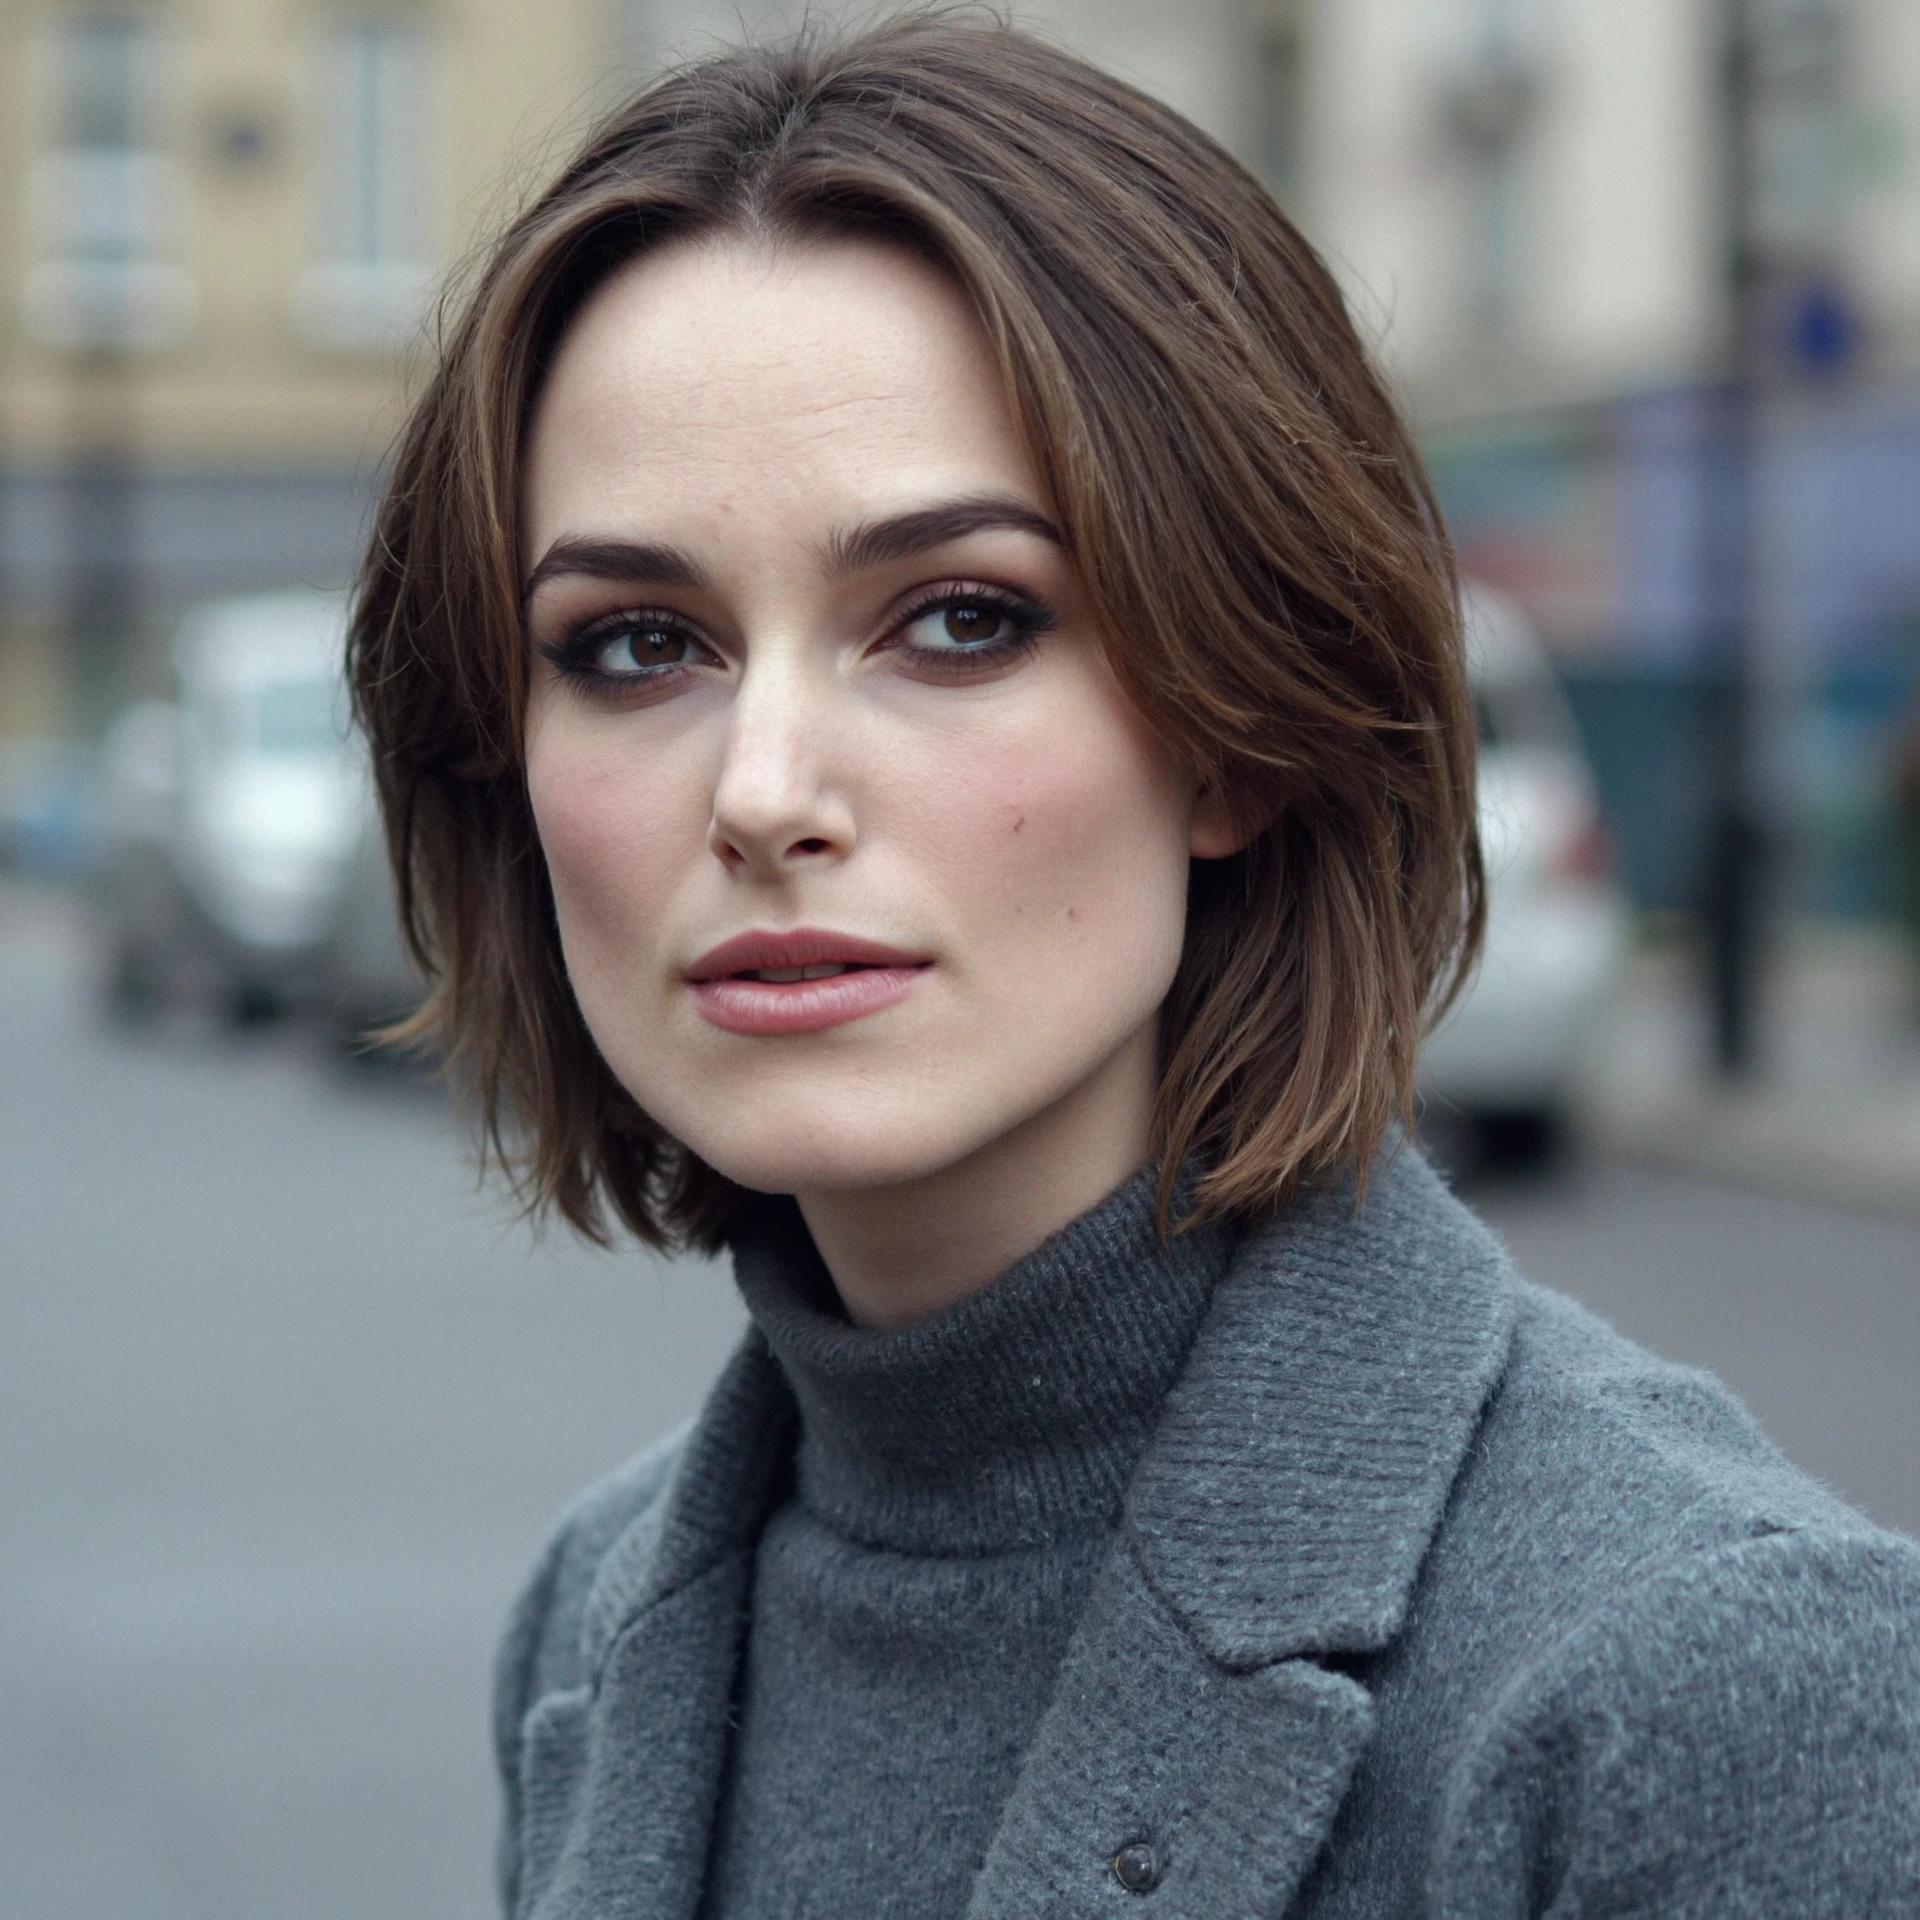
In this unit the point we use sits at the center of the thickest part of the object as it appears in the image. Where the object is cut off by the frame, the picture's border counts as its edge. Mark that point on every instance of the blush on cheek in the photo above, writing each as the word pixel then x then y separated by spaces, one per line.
pixel 575 815
pixel 1086 842
pixel 603 832
pixel 1095 799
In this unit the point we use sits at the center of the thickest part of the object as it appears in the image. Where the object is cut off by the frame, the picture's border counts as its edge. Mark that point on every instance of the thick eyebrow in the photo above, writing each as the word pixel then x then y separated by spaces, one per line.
pixel 614 560
pixel 904 535
pixel 853 551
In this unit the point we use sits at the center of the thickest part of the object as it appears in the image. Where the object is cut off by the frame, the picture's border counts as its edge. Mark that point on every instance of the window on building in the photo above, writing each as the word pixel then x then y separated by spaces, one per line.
pixel 373 177
pixel 104 196
pixel 1489 104
pixel 106 69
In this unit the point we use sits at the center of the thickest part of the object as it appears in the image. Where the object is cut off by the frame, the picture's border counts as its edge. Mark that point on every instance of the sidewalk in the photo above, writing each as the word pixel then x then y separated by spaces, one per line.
pixel 1833 1112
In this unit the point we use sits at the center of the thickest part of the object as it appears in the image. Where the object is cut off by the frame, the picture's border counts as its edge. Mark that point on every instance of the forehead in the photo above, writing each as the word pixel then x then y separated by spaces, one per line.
pixel 828 377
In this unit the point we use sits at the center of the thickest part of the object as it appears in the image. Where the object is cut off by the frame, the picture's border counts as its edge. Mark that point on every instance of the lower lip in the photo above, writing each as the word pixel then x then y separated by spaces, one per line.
pixel 802 1006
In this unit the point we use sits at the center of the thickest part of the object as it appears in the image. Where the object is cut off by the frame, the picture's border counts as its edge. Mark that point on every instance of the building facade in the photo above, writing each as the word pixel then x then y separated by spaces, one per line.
pixel 1525 195
pixel 1530 201
pixel 223 222
pixel 222 226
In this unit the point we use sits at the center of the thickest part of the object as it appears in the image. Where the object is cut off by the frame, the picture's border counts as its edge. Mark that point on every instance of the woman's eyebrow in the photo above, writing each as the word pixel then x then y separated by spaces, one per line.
pixel 899 537
pixel 903 535
pixel 615 560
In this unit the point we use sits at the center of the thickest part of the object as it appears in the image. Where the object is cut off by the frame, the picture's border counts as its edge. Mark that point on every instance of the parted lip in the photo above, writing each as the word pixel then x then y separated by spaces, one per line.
pixel 799 947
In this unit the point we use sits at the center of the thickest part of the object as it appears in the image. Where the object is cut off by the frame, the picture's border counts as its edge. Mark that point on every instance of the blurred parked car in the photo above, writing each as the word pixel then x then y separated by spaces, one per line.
pixel 46 789
pixel 367 981
pixel 1504 1060
pixel 228 817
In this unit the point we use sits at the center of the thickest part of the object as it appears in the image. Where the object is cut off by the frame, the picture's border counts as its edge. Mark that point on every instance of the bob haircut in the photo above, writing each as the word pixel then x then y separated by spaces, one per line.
pixel 1255 533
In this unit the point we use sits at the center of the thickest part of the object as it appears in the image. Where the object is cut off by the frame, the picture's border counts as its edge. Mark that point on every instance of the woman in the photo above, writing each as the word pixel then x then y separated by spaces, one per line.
pixel 917 693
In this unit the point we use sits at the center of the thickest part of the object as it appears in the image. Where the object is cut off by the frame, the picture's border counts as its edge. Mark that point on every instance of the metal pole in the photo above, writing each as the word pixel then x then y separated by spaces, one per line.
pixel 1737 874
pixel 103 605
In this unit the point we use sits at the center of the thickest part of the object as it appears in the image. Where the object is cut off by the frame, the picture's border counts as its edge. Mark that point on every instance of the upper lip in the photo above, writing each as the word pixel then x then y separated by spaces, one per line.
pixel 801 947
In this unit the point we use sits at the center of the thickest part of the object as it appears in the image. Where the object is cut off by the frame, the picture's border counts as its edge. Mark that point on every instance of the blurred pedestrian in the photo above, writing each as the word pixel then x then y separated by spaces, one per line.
pixel 918 696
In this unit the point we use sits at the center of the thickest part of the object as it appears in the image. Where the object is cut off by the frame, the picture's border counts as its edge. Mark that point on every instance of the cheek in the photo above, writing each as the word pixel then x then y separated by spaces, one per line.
pixel 1070 841
pixel 610 830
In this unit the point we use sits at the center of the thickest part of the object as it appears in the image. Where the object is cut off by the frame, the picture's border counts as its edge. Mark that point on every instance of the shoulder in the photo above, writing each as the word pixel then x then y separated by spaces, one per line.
pixel 1593 1451
pixel 1589 1458
pixel 1648 1665
pixel 1470 1419
pixel 543 1650
pixel 1738 1731
pixel 1600 1474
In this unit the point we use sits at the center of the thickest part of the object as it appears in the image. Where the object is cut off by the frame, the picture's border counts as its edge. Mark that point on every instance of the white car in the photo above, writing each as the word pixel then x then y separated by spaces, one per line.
pixel 229 817
pixel 1503 1062
pixel 368 981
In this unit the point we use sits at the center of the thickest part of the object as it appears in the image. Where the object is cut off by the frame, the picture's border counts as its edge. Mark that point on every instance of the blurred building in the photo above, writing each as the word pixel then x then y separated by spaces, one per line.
pixel 221 223
pixel 1525 192
pixel 1528 200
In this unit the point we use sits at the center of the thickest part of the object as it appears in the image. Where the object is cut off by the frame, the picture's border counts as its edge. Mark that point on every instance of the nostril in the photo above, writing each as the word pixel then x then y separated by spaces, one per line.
pixel 810 846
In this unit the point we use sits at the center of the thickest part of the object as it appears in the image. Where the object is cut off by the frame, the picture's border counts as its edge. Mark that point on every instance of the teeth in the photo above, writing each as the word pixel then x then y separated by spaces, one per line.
pixel 786 976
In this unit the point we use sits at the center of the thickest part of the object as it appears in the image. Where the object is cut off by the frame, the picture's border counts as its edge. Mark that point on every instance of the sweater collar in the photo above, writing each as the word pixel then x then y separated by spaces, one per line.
pixel 1302 1462
pixel 1011 1419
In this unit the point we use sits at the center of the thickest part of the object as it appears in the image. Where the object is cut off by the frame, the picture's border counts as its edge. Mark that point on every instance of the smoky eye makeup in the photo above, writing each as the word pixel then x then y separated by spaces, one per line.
pixel 961 627
pixel 631 648
pixel 953 628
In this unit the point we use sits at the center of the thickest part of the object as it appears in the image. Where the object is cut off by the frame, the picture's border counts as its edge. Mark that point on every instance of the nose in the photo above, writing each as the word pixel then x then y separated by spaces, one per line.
pixel 777 805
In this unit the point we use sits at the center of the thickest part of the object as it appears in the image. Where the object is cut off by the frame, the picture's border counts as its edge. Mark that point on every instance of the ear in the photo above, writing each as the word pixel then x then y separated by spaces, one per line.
pixel 1216 831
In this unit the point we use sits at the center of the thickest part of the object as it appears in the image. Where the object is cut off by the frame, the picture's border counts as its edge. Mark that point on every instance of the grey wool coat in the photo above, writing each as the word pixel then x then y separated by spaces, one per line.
pixel 1432 1596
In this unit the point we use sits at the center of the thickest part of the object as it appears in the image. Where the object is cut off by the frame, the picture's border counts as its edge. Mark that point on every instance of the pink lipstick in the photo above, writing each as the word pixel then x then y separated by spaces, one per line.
pixel 799 982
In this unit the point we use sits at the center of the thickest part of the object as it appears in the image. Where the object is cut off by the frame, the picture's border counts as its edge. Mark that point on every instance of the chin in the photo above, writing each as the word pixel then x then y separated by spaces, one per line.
pixel 833 1166
pixel 812 1154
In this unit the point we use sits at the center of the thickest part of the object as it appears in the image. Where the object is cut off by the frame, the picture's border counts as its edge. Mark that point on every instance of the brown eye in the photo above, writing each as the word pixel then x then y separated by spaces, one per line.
pixel 964 626
pixel 970 623
pixel 963 631
pixel 641 647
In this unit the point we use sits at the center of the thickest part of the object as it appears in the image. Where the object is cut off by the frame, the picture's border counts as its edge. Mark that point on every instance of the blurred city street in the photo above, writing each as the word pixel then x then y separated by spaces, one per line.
pixel 285 1410
pixel 1834 1111
pixel 288 1406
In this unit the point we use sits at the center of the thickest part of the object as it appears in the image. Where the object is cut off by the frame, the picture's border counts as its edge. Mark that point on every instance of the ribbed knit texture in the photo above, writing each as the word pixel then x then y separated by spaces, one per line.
pixel 956 1486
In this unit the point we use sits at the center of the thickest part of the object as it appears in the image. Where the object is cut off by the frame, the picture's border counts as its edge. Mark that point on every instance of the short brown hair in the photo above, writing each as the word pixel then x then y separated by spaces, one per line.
pixel 1233 484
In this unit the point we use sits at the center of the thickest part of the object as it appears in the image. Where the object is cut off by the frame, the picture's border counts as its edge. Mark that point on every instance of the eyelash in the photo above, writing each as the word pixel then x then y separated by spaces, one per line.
pixel 1029 619
pixel 572 654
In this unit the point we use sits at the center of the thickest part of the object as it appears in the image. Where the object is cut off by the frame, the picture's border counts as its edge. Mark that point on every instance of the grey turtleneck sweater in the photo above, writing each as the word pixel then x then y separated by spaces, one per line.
pixel 955 1487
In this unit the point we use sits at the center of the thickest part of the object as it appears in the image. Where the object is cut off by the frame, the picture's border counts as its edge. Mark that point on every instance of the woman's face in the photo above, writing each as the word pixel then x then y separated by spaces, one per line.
pixel 864 865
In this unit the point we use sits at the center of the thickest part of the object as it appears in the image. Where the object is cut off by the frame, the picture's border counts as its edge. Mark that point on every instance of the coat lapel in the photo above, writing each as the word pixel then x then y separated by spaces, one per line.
pixel 1229 1777
pixel 1279 1517
pixel 637 1754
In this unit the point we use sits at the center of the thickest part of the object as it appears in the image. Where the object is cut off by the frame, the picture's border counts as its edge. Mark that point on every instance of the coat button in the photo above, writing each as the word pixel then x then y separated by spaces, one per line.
pixel 1135 1867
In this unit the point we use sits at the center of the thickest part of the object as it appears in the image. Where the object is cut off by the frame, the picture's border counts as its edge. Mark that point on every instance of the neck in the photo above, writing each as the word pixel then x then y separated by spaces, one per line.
pixel 902 1252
